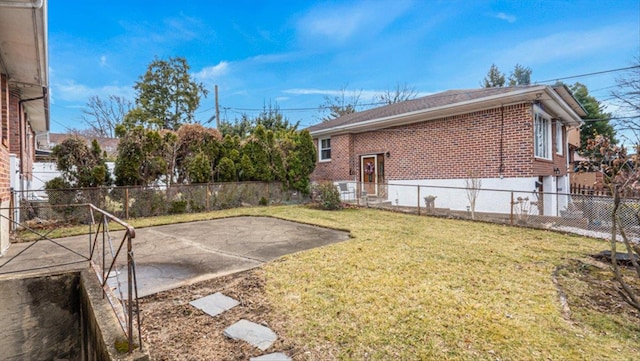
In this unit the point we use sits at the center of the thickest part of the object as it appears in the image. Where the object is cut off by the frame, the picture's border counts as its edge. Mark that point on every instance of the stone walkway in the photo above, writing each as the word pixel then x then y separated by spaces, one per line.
pixel 257 335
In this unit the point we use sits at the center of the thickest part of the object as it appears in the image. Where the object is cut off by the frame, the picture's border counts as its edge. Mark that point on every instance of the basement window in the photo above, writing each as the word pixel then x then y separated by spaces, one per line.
pixel 325 149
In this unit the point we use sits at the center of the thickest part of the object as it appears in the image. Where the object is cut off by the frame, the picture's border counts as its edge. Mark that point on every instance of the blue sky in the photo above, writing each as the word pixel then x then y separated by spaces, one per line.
pixel 294 53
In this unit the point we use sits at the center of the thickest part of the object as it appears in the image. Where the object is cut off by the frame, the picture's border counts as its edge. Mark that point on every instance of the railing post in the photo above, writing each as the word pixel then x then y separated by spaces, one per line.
pixel 418 199
pixel 129 291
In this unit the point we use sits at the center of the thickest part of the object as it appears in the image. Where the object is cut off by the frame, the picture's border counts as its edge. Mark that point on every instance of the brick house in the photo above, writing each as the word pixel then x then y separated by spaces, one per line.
pixel 24 109
pixel 512 138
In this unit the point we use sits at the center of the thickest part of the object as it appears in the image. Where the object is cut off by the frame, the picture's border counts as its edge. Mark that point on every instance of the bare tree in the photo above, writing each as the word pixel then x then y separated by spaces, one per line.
pixel 340 104
pixel 627 95
pixel 102 115
pixel 401 93
pixel 622 175
pixel 473 183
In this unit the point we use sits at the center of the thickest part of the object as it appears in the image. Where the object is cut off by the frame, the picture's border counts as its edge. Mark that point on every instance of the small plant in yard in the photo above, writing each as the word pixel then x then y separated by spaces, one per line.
pixel 473 183
pixel 522 209
pixel 329 196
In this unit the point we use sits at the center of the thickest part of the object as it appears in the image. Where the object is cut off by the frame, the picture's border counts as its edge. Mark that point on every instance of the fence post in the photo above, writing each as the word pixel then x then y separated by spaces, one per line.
pixel 418 199
pixel 511 212
pixel 207 198
pixel 126 203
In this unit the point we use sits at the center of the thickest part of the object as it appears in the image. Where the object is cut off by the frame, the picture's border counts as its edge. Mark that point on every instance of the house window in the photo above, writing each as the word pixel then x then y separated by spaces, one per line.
pixel 559 136
pixel 325 149
pixel 542 136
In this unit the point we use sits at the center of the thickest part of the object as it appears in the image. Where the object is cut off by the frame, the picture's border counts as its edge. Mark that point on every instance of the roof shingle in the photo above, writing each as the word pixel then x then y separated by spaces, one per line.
pixel 430 101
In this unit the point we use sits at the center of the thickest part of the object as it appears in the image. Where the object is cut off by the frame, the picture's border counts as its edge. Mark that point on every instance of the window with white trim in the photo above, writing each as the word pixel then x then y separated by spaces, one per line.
pixel 542 136
pixel 324 145
pixel 559 136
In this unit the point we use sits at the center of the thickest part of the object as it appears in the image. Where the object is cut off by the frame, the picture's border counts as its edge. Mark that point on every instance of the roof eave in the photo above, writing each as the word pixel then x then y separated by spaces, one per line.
pixel 433 113
pixel 32 79
pixel 557 103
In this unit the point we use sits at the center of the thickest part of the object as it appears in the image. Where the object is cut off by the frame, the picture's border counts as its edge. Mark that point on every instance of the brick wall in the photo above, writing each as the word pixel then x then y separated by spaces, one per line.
pixel 446 148
pixel 21 137
pixel 341 160
pixel 4 151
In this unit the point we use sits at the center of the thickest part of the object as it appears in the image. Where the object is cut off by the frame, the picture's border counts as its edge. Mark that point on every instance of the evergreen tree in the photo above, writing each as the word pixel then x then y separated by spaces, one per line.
pixel 494 78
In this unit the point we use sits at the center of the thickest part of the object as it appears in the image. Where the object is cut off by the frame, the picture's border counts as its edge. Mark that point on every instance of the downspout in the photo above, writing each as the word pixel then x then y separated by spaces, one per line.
pixel 501 168
pixel 21 131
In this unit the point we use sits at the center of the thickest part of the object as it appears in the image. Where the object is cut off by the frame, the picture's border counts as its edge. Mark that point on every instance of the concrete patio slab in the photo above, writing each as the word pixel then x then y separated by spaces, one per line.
pixel 174 255
pixel 214 304
pixel 257 335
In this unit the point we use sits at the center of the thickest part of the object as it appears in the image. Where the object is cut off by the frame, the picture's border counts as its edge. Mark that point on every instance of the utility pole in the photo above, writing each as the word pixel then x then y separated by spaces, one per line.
pixel 217 109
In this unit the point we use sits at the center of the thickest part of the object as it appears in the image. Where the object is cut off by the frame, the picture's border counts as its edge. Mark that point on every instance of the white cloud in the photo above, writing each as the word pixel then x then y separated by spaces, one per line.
pixel 70 91
pixel 506 17
pixel 212 72
pixel 364 95
pixel 338 23
pixel 567 45
pixel 275 58
pixel 103 60
pixel 171 30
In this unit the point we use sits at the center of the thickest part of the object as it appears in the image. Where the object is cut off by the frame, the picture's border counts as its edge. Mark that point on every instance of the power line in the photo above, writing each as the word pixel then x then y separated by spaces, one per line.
pixel 589 74
pixel 239 110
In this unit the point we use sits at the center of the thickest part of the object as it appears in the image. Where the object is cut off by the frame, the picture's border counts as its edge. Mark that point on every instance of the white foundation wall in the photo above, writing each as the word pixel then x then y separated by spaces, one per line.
pixel 494 196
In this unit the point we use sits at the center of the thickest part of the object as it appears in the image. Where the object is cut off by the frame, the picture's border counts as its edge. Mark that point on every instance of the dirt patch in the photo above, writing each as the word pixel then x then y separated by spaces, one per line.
pixel 175 330
pixel 590 284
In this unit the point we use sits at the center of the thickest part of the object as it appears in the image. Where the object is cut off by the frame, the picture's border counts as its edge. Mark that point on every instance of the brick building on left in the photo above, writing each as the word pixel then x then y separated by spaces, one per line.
pixel 24 97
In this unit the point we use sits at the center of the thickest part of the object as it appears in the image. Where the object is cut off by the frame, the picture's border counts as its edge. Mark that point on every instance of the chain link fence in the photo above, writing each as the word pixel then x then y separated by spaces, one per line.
pixel 56 206
pixel 583 214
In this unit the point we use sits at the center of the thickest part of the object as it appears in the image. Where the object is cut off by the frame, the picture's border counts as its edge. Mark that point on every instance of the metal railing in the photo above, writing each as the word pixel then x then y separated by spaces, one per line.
pixel 105 256
pixel 109 266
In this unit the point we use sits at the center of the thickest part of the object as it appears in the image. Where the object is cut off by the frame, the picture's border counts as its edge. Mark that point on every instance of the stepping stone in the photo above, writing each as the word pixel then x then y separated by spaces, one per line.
pixel 277 356
pixel 257 335
pixel 214 304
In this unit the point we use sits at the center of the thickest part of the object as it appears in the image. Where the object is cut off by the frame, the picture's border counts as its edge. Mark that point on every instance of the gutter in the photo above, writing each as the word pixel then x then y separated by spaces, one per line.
pixel 22 5
pixel 21 131
pixel 566 107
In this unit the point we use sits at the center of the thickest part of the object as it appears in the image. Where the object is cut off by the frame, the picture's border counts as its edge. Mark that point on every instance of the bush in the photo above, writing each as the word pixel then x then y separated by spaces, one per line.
pixel 147 202
pixel 329 196
pixel 178 207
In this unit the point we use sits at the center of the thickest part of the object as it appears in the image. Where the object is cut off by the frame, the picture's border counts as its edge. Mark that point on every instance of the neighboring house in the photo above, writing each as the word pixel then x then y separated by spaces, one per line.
pixel 512 138
pixel 24 102
pixel 108 145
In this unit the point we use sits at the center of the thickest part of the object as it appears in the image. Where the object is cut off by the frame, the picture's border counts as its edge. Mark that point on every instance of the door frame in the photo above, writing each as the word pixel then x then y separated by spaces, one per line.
pixel 375 172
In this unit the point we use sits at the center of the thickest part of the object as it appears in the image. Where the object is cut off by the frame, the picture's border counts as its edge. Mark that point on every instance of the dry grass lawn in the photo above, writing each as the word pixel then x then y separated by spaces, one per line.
pixel 409 287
